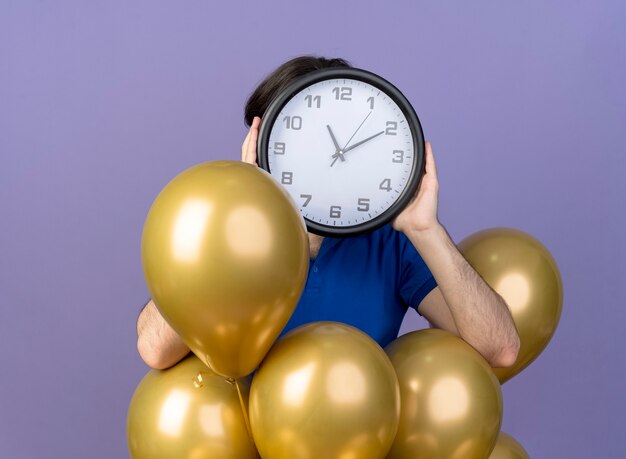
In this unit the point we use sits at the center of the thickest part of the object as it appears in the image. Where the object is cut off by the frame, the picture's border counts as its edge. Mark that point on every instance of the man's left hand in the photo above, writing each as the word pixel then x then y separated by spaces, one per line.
pixel 420 215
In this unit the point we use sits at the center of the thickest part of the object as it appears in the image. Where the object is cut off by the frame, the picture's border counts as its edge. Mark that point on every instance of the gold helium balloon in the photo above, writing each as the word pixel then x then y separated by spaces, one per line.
pixel 225 255
pixel 508 448
pixel 325 391
pixel 188 412
pixel 451 400
pixel 523 272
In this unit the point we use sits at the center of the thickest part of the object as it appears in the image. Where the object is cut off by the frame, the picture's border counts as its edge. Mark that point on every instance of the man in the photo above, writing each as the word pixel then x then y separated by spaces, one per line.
pixel 419 260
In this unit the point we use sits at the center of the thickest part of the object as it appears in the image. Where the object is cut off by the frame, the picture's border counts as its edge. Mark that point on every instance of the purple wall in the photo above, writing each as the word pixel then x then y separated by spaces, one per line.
pixel 101 103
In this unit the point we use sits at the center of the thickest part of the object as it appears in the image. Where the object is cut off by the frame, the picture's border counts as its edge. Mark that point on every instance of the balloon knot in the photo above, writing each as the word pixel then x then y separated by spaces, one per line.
pixel 198 381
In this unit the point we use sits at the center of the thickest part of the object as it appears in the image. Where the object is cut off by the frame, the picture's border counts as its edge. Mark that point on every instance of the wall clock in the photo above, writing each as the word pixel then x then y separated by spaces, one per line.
pixel 347 146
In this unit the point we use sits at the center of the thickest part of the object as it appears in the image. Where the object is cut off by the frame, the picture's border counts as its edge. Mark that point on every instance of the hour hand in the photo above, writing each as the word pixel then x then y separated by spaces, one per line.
pixel 332 136
pixel 338 152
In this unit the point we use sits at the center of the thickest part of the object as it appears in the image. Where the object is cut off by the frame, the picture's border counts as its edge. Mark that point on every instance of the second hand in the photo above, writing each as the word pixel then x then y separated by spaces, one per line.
pixel 357 130
pixel 348 142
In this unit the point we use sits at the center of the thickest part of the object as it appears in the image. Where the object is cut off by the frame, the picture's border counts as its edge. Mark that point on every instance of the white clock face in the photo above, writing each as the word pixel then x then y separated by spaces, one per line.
pixel 344 151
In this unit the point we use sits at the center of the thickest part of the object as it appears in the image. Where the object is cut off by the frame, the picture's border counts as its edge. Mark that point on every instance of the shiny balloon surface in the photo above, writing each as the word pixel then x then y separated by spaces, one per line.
pixel 225 255
pixel 508 448
pixel 451 400
pixel 524 273
pixel 325 390
pixel 188 412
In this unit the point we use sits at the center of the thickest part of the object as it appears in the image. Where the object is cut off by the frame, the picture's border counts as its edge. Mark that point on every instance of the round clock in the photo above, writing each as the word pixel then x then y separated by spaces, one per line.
pixel 348 147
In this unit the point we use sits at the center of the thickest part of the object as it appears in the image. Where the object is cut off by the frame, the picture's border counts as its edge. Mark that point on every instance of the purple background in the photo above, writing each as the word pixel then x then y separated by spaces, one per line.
pixel 102 103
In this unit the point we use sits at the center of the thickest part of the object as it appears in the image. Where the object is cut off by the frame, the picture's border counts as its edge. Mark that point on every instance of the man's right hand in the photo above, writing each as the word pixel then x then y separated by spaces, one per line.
pixel 248 149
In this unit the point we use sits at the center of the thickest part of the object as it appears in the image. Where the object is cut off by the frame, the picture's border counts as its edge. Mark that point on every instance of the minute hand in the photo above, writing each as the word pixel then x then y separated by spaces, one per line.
pixel 351 147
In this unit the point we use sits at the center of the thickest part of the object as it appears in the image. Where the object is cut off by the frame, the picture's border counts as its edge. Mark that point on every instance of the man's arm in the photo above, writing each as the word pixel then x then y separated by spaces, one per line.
pixel 463 303
pixel 480 315
pixel 435 310
pixel 158 344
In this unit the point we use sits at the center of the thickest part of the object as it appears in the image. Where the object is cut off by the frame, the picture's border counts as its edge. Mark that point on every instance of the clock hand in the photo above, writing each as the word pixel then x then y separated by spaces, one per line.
pixel 338 152
pixel 357 130
pixel 362 142
pixel 332 136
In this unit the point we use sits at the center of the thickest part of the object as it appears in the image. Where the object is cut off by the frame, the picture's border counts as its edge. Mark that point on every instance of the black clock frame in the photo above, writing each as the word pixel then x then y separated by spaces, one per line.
pixel 417 171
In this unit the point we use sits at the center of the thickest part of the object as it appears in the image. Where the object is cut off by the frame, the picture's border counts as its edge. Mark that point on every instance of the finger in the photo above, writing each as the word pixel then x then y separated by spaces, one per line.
pixel 250 155
pixel 431 168
pixel 244 145
pixel 430 177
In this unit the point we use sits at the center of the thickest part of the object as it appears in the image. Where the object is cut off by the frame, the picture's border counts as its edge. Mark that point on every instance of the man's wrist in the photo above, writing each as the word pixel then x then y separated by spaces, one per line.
pixel 432 237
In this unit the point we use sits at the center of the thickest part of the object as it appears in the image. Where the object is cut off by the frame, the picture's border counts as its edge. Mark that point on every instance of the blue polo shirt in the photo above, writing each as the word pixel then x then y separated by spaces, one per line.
pixel 368 281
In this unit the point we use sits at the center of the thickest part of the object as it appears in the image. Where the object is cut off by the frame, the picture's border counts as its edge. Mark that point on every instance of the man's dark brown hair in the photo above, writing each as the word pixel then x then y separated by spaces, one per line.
pixel 282 77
